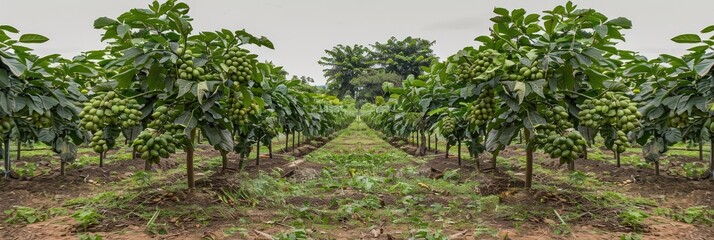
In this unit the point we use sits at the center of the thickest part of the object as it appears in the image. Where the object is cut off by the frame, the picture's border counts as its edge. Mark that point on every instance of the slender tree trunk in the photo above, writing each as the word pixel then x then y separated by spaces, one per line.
pixel 293 139
pixel 189 160
pixel 147 165
pixel 459 151
pixel 6 157
pixel 701 151
pixel 447 149
pixel 133 153
pixel 19 149
pixel 270 149
pixel 585 152
pixel 62 167
pixel 493 161
pixel 617 158
pixel 585 148
pixel 287 140
pixel 428 142
pixel 656 168
pixel 529 161
pixel 224 160
pixel 711 159
pixel 241 157
pixel 571 165
pixel 101 159
pixel 257 153
pixel 423 143
pixel 520 137
pixel 436 144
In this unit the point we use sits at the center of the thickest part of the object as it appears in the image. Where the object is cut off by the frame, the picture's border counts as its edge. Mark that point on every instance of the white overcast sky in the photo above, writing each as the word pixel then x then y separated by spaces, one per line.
pixel 302 29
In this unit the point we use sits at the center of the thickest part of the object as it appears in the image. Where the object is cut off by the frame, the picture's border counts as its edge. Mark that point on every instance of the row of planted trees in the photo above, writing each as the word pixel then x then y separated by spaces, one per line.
pixel 160 85
pixel 558 79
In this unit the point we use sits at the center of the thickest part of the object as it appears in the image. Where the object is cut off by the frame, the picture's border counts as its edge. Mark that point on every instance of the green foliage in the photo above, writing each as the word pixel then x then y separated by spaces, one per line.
pixel 25 215
pixel 633 218
pixel 426 234
pixel 404 57
pixel 698 214
pixel 87 217
pixel 90 237
pixel 344 63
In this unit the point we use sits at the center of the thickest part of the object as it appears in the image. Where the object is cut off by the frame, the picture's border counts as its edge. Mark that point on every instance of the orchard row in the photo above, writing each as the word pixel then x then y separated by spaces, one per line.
pixel 560 79
pixel 158 83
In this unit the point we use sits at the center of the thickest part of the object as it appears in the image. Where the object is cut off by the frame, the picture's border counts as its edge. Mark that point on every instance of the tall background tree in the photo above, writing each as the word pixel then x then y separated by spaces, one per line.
pixel 404 57
pixel 369 84
pixel 343 63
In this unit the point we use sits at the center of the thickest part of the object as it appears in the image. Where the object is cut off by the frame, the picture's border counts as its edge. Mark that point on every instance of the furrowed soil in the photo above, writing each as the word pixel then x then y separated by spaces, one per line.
pixel 358 185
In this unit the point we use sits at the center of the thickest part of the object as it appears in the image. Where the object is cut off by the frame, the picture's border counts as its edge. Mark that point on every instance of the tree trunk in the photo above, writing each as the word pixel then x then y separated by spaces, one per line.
pixel 529 161
pixel 711 159
pixel 571 165
pixel 287 140
pixel 241 157
pixel 585 152
pixel 423 143
pixel 428 143
pixel 224 160
pixel 493 161
pixel 147 165
pixel 617 158
pixel 436 144
pixel 6 153
pixel 257 153
pixel 270 149
pixel 62 166
pixel 701 151
pixel 189 160
pixel 293 139
pixel 447 149
pixel 19 149
pixel 656 168
pixel 101 159
pixel 459 151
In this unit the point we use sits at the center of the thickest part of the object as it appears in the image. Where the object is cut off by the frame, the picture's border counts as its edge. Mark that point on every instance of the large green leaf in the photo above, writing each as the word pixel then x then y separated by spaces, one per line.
pixel 33 38
pixel 704 66
pixel 687 38
pixel 103 22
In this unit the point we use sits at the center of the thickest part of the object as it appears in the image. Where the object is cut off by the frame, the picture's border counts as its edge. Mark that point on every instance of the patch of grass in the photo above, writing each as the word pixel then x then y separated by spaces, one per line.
pixel 633 218
pixel 87 217
pixel 698 214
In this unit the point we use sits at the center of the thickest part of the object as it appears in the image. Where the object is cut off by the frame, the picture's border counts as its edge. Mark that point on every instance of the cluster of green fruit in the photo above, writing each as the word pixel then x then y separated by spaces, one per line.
pixel 238 112
pixel 679 121
pixel 482 110
pixel 566 146
pixel 187 70
pixel 525 73
pixel 154 145
pixel 163 118
pixel 621 142
pixel 612 108
pixel 448 125
pixel 41 120
pixel 475 69
pixel 240 66
pixel 108 109
pixel 557 116
pixel 6 124
pixel 98 143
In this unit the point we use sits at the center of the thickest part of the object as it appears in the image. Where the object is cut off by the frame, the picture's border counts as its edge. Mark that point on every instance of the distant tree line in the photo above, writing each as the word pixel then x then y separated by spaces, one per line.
pixel 359 71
